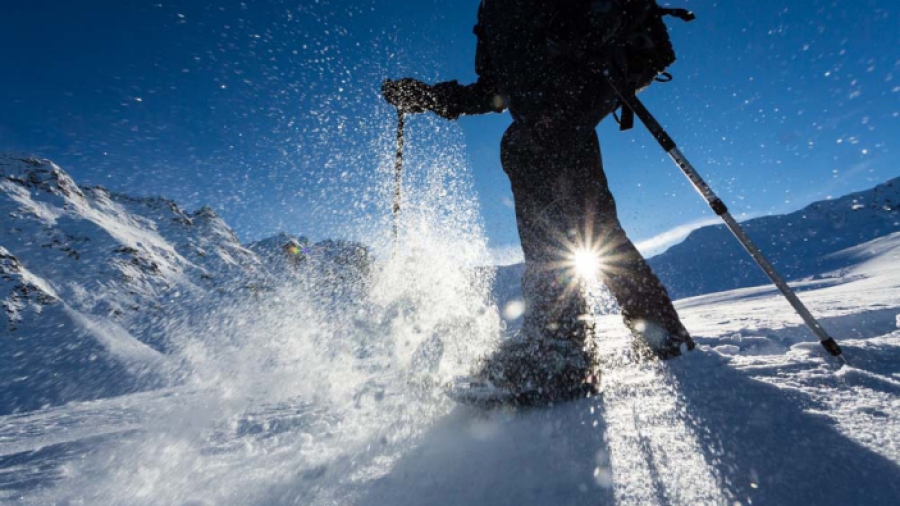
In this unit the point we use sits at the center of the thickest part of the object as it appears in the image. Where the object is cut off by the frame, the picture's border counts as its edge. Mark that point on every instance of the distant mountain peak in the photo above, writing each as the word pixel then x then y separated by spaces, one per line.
pixel 38 173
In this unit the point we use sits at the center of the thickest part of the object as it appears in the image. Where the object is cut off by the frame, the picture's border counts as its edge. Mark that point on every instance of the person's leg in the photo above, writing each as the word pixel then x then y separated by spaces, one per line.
pixel 547 217
pixel 563 204
pixel 646 306
pixel 553 357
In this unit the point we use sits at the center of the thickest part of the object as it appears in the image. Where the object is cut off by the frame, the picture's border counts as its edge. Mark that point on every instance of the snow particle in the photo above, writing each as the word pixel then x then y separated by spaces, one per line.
pixel 514 309
pixel 603 477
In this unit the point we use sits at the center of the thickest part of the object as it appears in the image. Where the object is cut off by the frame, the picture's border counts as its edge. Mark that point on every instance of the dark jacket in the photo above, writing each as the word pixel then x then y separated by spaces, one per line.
pixel 524 64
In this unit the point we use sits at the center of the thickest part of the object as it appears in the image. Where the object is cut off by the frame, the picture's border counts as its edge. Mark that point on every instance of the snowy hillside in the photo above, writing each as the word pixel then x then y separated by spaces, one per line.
pixel 106 254
pixel 798 244
pixel 85 272
pixel 150 359
pixel 92 282
pixel 757 415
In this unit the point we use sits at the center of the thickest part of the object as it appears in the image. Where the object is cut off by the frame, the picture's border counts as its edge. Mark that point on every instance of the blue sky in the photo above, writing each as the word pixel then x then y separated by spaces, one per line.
pixel 269 111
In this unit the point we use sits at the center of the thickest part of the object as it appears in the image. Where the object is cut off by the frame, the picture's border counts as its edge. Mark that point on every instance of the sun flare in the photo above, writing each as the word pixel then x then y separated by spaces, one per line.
pixel 586 263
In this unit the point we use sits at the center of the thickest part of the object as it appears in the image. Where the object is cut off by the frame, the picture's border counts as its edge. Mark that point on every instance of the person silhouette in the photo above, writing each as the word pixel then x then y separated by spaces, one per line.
pixel 565 213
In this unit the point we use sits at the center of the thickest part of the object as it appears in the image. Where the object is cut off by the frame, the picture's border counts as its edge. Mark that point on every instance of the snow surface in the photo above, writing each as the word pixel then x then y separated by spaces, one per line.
pixel 322 386
pixel 758 415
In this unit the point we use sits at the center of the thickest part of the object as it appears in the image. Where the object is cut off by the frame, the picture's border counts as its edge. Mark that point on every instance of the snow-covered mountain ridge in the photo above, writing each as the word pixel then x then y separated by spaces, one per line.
pixel 108 254
pixel 90 280
pixel 799 244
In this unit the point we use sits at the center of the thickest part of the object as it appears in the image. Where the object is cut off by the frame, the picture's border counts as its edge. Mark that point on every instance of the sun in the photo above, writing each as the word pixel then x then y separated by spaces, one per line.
pixel 588 257
pixel 586 263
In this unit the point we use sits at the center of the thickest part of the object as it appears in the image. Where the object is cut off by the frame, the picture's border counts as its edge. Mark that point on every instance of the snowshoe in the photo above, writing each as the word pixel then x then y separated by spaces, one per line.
pixel 486 395
pixel 532 372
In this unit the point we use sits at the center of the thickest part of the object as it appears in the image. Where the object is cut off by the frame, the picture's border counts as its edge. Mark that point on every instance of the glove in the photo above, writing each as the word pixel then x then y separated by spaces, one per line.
pixel 409 95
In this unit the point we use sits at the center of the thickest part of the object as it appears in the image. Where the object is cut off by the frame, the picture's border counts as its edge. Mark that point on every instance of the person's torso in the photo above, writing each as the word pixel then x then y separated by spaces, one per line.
pixel 540 82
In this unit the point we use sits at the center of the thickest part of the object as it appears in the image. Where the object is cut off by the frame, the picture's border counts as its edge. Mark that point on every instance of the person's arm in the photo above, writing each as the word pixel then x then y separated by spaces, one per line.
pixel 453 99
pixel 449 99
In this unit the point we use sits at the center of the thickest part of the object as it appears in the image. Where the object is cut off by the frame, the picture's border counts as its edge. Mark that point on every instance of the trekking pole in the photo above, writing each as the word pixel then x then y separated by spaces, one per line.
pixel 398 179
pixel 631 101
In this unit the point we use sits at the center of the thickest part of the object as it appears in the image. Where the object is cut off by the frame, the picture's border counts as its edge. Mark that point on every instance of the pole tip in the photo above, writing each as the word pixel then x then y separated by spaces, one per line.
pixel 832 347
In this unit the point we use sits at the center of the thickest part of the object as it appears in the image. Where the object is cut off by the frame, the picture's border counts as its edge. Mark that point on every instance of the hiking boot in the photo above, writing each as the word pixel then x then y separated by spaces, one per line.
pixel 530 371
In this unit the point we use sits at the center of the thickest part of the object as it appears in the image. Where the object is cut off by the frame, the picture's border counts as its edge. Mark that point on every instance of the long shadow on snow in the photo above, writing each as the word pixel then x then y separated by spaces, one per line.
pixel 532 457
pixel 768 450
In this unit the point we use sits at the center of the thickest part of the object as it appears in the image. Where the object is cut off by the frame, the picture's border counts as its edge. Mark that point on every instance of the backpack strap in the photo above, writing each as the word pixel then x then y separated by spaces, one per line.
pixel 626 117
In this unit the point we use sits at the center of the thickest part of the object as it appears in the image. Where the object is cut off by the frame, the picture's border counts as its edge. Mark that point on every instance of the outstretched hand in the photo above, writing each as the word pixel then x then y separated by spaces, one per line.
pixel 408 95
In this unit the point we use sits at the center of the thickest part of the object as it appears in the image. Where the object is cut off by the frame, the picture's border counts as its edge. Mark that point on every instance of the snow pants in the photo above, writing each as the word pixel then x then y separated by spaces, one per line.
pixel 562 201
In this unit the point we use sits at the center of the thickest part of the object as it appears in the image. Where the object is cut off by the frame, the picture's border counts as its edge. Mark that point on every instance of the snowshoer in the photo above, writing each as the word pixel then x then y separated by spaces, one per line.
pixel 562 201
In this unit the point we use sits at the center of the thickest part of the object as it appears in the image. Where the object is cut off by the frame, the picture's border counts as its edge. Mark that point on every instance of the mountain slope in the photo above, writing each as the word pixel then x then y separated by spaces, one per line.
pixel 92 283
pixel 88 279
pixel 798 244
pixel 108 254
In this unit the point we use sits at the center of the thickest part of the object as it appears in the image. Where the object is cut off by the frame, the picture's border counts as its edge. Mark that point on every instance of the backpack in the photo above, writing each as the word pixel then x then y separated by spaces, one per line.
pixel 628 37
pixel 629 34
pixel 645 52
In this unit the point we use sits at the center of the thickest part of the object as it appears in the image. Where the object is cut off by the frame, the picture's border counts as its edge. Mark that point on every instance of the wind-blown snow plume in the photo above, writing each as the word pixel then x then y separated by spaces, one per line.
pixel 335 355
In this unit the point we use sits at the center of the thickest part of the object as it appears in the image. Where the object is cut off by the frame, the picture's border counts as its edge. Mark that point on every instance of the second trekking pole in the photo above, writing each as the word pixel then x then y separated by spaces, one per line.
pixel 398 180
pixel 630 100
